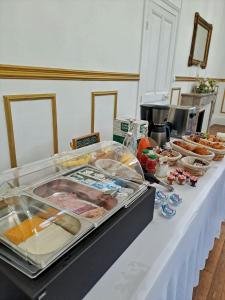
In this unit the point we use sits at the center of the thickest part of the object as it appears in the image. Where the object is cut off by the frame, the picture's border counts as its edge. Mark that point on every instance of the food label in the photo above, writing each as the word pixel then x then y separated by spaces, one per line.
pixel 124 126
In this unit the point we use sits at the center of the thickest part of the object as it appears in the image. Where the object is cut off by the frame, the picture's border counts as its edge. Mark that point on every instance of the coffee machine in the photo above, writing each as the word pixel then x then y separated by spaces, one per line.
pixel 183 120
pixel 157 116
pixel 169 120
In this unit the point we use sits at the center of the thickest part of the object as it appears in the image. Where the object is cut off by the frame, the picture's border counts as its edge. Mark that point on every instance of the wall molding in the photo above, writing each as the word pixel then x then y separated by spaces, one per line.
pixel 8 99
pixel 45 73
pixel 102 93
pixel 195 78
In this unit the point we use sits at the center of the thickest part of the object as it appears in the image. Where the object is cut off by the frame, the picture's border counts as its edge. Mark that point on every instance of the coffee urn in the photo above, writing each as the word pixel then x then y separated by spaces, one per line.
pixel 157 116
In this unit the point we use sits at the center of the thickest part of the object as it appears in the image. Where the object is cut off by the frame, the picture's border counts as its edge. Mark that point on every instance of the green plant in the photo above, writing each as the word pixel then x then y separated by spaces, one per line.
pixel 205 86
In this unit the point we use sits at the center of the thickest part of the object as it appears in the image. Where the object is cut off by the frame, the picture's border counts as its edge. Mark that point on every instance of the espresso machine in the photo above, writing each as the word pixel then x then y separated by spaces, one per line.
pixel 158 128
pixel 169 120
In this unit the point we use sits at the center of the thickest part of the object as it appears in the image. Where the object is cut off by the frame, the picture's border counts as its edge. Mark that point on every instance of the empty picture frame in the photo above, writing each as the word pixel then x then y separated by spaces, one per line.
pixel 175 96
pixel 201 38
pixel 9 120
pixel 102 93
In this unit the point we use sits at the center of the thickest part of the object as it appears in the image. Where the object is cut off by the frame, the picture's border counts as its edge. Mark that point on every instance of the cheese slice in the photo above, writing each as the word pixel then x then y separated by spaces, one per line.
pixel 24 230
pixel 46 241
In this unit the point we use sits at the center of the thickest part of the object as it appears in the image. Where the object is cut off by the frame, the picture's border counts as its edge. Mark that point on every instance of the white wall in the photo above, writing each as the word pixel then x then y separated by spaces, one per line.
pixel 212 12
pixel 78 34
pixel 93 35
pixel 73 110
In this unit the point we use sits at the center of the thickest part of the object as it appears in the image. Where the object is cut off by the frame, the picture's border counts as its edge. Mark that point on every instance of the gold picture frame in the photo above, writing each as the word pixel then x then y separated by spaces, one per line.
pixel 9 121
pixel 222 104
pixel 102 93
pixel 199 25
pixel 179 94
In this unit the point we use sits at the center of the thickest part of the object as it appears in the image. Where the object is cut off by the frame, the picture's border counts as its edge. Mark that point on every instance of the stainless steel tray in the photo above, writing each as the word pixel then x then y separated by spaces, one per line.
pixel 20 233
pixel 105 205
pixel 122 194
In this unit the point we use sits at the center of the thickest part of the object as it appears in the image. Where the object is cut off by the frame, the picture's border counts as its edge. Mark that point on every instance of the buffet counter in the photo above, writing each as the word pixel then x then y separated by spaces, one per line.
pixel 164 262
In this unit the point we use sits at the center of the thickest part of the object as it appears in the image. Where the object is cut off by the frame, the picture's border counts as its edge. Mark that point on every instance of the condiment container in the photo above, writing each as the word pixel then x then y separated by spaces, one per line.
pixel 170 179
pixel 151 163
pixel 181 179
pixel 144 143
pixel 193 180
pixel 167 211
pixel 174 173
pixel 162 168
pixel 175 199
pixel 143 158
pixel 179 170
pixel 187 175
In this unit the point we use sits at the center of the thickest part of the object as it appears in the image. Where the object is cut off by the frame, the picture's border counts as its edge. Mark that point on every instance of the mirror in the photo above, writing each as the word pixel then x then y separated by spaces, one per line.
pixel 200 42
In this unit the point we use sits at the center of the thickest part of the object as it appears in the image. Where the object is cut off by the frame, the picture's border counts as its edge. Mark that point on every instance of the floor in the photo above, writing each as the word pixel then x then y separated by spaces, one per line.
pixel 212 278
pixel 216 128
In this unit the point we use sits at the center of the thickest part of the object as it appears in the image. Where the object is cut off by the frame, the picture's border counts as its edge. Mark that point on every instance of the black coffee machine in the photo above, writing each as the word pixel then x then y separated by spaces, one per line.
pixel 158 128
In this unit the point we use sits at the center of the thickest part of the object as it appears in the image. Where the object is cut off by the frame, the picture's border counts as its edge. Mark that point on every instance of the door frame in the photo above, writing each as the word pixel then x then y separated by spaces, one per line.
pixel 169 6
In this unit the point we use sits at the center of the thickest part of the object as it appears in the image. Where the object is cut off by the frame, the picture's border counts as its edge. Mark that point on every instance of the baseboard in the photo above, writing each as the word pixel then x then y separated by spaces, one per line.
pixel 220 120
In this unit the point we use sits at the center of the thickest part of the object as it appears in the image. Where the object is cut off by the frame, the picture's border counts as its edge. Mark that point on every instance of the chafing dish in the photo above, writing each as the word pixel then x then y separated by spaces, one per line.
pixel 39 200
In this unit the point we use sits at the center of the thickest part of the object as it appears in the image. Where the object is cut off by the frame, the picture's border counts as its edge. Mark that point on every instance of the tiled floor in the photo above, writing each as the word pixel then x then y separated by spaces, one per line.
pixel 212 278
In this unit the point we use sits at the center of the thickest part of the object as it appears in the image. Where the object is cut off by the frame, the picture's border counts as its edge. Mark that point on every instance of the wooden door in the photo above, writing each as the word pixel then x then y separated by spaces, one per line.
pixel 158 47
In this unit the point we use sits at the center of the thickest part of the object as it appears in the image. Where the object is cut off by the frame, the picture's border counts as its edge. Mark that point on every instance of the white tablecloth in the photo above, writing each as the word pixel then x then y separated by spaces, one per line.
pixel 164 261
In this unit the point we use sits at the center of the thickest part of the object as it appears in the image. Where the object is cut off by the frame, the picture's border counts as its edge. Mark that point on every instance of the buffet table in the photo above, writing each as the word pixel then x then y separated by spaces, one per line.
pixel 164 261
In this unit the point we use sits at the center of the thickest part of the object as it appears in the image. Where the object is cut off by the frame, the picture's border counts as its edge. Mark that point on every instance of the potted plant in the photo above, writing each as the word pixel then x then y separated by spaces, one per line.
pixel 205 86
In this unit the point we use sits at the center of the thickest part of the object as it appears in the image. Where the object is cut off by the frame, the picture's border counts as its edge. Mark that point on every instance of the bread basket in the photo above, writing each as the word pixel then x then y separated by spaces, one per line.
pixel 197 170
pixel 185 152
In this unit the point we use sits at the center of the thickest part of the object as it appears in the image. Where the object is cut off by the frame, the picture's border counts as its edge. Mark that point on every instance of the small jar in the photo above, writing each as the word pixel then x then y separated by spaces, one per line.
pixel 181 179
pixel 170 179
pixel 193 180
pixel 151 163
pixel 179 170
pixel 144 158
pixel 174 173
pixel 187 175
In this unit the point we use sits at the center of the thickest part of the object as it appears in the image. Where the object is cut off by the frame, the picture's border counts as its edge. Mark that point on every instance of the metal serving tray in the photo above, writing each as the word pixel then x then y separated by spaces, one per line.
pixel 65 187
pixel 79 175
pixel 20 233
pixel 57 190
